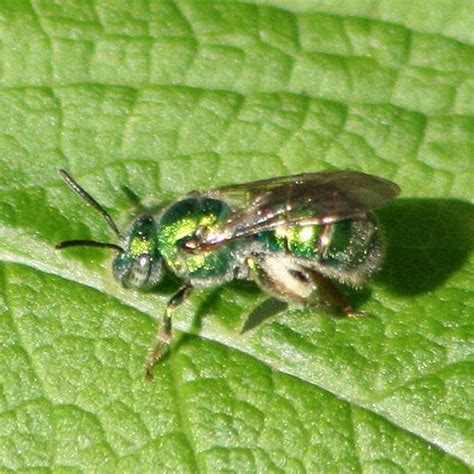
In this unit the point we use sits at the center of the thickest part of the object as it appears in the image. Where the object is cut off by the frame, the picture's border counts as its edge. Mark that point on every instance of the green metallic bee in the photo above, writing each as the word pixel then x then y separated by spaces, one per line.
pixel 291 235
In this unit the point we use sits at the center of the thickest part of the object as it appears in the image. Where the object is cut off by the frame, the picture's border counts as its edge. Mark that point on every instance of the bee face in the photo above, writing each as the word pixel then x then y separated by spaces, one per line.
pixel 140 265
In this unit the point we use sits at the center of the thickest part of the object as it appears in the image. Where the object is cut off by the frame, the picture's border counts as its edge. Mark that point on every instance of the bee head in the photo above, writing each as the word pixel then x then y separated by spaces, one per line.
pixel 139 264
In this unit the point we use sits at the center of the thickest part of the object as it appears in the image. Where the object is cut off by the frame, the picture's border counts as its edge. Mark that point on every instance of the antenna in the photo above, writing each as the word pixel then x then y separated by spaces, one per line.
pixel 91 201
pixel 88 243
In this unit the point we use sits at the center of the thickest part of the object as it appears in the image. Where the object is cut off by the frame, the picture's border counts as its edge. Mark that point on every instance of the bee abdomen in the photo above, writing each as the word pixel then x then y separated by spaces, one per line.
pixel 300 241
pixel 349 250
pixel 354 252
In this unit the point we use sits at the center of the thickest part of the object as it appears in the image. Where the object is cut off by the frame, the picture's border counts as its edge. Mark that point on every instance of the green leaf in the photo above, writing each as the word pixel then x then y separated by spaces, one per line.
pixel 162 98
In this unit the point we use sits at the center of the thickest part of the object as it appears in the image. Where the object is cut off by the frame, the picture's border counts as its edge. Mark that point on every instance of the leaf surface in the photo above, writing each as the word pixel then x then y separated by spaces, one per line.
pixel 164 98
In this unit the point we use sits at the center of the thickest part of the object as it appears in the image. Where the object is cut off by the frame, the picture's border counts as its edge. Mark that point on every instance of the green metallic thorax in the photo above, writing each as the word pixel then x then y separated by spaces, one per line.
pixel 179 223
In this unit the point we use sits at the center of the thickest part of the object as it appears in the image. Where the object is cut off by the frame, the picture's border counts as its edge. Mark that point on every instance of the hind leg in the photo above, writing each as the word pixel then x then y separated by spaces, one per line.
pixel 330 292
pixel 282 277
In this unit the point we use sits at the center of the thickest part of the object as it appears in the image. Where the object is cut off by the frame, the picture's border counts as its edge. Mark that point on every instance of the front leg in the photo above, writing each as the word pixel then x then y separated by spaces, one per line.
pixel 164 333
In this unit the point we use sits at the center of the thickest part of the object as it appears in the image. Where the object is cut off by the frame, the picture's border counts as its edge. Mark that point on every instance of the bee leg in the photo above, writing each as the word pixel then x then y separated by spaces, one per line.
pixel 330 291
pixel 282 277
pixel 164 333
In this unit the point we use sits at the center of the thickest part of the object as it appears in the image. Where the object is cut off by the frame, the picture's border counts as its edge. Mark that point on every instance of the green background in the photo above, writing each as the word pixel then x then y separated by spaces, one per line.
pixel 164 98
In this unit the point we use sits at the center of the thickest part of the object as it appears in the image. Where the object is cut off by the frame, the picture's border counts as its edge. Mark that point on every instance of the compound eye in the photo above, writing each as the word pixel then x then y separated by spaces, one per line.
pixel 139 272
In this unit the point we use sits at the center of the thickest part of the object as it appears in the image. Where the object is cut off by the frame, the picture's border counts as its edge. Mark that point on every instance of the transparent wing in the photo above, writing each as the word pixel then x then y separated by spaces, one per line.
pixel 304 199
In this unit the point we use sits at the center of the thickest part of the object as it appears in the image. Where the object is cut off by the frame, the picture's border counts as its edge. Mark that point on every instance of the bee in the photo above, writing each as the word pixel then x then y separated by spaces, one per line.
pixel 291 235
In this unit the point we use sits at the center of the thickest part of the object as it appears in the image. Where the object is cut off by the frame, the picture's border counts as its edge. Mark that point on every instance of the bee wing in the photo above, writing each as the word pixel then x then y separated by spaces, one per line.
pixel 304 199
